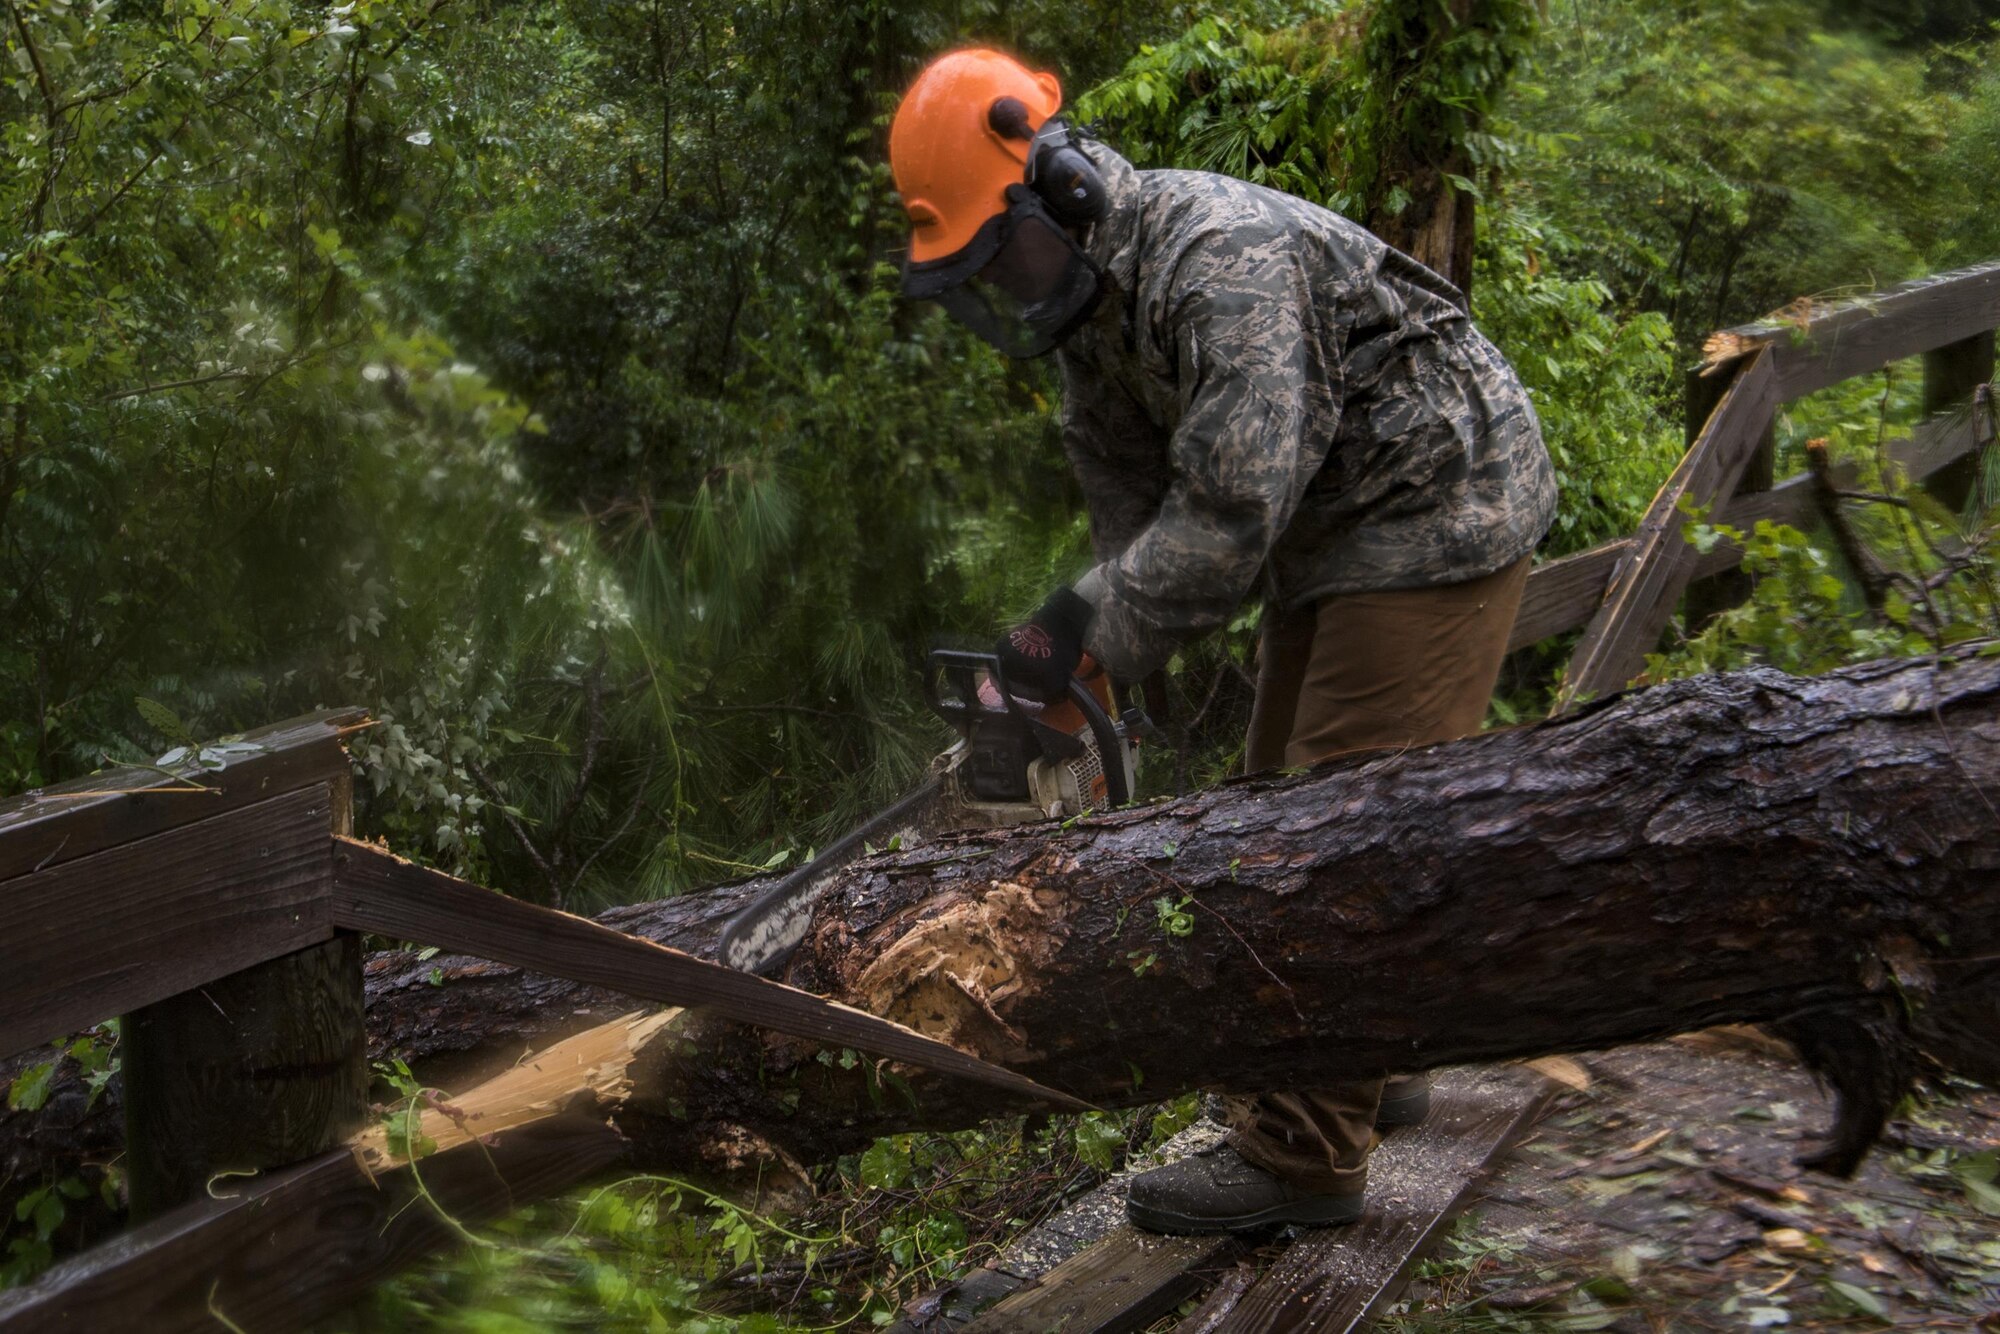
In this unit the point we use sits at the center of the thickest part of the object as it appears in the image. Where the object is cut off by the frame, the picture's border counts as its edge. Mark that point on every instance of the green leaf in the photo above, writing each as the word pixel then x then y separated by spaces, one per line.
pixel 1860 1299
pixel 30 1088
pixel 1099 1138
pixel 165 721
pixel 885 1166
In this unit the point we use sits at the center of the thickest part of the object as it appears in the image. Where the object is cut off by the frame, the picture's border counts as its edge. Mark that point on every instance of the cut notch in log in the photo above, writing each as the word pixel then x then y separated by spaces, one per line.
pixel 374 890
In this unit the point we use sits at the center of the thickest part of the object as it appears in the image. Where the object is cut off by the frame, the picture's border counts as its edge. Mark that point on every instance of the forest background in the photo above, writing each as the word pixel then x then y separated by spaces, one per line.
pixel 533 374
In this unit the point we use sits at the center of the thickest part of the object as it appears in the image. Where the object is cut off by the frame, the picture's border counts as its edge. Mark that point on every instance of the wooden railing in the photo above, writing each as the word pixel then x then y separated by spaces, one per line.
pixel 220 913
pixel 1623 593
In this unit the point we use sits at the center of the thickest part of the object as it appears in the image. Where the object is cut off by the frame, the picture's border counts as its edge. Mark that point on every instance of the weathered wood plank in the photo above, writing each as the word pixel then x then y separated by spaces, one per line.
pixel 1220 1301
pixel 1124 1282
pixel 1565 593
pixel 52 825
pixel 377 891
pixel 1711 593
pixel 1850 338
pixel 257 1070
pixel 1650 579
pixel 1332 1280
pixel 285 1249
pixel 1952 375
pixel 106 934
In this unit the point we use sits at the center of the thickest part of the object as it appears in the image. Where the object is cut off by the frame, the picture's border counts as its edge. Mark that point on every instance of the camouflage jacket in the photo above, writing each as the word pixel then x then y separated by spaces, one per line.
pixel 1266 389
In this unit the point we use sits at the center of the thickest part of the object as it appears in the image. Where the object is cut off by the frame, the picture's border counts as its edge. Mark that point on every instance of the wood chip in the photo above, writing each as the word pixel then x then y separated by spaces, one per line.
pixel 1563 1070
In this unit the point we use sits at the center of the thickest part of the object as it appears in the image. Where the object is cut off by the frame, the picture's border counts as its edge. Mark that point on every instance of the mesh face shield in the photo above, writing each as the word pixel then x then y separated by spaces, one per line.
pixel 1021 283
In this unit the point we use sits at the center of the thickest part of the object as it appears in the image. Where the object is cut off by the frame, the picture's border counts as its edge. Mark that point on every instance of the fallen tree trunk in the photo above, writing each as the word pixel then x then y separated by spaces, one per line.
pixel 1815 855
pixel 1812 854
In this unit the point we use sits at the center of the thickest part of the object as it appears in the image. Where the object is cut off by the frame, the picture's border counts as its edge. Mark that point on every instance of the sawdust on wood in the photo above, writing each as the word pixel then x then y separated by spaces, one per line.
pixel 950 976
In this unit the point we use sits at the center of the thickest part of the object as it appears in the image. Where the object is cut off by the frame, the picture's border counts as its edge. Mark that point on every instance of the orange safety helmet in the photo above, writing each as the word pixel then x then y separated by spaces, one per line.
pixel 952 165
pixel 994 183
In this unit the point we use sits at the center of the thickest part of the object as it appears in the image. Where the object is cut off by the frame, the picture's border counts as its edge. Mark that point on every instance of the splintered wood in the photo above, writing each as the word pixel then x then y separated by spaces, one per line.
pixel 596 1062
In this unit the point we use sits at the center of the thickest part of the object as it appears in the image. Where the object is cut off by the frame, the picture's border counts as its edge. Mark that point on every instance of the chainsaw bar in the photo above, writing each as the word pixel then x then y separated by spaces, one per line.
pixel 764 934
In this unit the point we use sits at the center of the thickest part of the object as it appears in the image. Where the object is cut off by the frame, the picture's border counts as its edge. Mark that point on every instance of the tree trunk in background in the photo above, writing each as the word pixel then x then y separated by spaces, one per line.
pixel 1435 68
pixel 1813 854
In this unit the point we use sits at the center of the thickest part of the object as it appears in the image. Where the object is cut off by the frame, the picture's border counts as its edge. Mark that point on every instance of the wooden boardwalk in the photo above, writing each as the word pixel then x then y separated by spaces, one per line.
pixel 1087 1271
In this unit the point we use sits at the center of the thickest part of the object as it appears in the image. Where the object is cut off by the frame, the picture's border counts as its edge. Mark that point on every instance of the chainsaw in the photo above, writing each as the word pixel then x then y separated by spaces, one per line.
pixel 1015 761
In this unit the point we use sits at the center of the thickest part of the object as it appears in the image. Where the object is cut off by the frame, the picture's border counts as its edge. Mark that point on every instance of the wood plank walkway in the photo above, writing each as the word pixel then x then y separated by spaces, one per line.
pixel 1086 1271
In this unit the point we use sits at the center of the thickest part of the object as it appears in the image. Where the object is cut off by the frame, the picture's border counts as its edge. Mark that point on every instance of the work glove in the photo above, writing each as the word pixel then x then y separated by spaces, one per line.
pixel 1040 655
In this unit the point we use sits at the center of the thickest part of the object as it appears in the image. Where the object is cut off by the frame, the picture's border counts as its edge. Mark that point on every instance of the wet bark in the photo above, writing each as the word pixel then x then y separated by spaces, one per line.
pixel 1816 855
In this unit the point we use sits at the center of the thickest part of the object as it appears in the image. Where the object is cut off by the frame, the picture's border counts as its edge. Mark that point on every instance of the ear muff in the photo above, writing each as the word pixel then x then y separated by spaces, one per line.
pixel 1066 180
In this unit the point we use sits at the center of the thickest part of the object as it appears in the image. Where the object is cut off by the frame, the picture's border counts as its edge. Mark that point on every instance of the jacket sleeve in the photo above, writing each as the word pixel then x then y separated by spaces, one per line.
pixel 1112 446
pixel 1237 318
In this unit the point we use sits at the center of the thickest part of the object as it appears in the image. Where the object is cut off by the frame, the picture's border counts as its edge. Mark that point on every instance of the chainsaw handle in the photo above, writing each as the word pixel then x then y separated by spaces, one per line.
pixel 959 665
pixel 1108 742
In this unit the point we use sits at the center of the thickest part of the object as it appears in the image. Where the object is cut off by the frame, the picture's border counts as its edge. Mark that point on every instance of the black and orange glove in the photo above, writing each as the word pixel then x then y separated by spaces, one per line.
pixel 1040 655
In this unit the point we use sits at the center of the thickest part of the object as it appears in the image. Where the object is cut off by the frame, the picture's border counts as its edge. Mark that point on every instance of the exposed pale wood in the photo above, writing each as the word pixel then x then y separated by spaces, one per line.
pixel 1335 1280
pixel 1219 1302
pixel 48 826
pixel 597 1062
pixel 279 1251
pixel 1650 579
pixel 377 891
pixel 1569 886
pixel 1828 344
pixel 104 934
pixel 1124 1282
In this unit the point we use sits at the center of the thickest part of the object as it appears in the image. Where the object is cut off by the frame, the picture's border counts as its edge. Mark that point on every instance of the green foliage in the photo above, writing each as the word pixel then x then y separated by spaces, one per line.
pixel 1173 916
pixel 40 1213
pixel 1330 108
pixel 1332 104
pixel 1718 161
pixel 1604 384
pixel 537 380
pixel 1799 616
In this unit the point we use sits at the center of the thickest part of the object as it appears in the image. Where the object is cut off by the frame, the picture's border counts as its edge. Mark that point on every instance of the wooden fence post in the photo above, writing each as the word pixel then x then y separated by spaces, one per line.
pixel 1950 375
pixel 1719 592
pixel 259 1069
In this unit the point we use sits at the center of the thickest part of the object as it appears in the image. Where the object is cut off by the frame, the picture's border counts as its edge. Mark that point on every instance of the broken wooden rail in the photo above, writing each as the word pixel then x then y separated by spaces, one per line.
pixel 218 907
pixel 1623 593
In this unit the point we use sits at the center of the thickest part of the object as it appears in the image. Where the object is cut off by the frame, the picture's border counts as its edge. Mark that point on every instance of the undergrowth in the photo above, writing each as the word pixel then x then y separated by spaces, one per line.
pixel 850 1248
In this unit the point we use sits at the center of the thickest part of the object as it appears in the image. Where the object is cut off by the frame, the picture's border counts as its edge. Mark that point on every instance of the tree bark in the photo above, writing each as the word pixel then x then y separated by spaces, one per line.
pixel 1816 855
pixel 1812 854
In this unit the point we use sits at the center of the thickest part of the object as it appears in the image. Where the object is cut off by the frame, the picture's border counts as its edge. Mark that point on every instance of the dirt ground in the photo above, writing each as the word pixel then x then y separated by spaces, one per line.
pixel 1663 1197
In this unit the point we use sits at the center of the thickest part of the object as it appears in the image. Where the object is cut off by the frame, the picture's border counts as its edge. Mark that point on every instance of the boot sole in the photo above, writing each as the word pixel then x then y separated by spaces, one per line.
pixel 1318 1211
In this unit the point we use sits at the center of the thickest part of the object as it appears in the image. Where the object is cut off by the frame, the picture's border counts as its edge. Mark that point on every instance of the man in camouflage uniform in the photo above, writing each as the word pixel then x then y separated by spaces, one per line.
pixel 1258 396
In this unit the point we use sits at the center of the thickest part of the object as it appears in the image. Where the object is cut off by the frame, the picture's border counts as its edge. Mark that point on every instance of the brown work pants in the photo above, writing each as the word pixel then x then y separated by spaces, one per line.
pixel 1360 672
